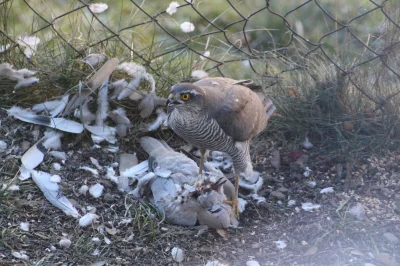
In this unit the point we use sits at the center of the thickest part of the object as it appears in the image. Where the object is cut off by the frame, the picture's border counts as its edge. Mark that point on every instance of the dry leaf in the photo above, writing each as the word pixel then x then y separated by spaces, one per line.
pixel 292 92
pixel 223 233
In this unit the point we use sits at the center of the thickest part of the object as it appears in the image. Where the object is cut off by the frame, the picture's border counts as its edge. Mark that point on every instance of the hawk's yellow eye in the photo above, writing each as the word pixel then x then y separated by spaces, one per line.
pixel 185 97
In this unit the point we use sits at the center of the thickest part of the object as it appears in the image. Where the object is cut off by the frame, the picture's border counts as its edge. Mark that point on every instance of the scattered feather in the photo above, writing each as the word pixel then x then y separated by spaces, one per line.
pixel 56 166
pixel 119 116
pixel 205 54
pixel 111 175
pixel 177 254
pixel 52 107
pixel 96 190
pixel 58 155
pixel 252 263
pixel 3 146
pixel 307 144
pixel 57 123
pixel 147 105
pixel 102 131
pixel 98 8
pixel 87 219
pixel 7 71
pixel 83 189
pixel 112 149
pixel 131 68
pixel 96 240
pixel 327 190
pixel 89 169
pixel 20 255
pixel 84 113
pixel 311 183
pixel 173 6
pixel 107 240
pixel 307 172
pixel 24 173
pixel 35 154
pixel 26 82
pixel 24 226
pixel 118 87
pixel 136 170
pixel 187 27
pixel 55 178
pixel 280 244
pixel 94 59
pixel 102 103
pixel 242 205
pixel 308 206
pixel 161 118
pixel 199 74
pixel 258 198
pixel 26 73
pixel 95 162
pixel 291 203
pixel 214 262
pixel 53 193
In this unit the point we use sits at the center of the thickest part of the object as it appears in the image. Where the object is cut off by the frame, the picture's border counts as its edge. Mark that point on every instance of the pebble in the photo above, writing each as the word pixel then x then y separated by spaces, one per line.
pixel 391 237
pixel 277 195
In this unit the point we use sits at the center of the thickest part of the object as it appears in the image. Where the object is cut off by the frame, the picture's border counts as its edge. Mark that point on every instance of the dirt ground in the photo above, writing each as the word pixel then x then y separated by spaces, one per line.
pixel 133 233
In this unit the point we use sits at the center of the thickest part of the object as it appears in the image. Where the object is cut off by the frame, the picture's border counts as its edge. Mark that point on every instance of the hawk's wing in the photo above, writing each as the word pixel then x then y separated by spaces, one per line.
pixel 237 109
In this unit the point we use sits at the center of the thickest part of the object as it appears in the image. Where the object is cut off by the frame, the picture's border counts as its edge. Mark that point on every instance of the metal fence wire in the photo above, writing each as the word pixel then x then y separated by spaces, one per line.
pixel 263 40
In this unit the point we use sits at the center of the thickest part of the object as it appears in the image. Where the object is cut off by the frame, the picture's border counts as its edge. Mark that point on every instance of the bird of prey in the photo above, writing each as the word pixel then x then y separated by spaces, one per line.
pixel 220 114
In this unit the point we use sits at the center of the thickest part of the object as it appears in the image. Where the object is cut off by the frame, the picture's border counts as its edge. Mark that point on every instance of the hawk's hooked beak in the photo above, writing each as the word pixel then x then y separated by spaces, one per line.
pixel 171 101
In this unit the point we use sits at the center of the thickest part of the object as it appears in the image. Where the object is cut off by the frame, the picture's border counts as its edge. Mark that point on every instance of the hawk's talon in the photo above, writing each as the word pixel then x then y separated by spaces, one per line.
pixel 235 206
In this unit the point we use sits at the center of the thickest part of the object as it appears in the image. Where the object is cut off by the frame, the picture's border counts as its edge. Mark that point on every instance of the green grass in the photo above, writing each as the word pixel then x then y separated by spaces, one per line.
pixel 325 98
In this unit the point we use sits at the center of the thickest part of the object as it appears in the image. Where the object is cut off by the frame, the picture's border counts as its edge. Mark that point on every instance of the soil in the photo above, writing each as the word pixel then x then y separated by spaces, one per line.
pixel 133 233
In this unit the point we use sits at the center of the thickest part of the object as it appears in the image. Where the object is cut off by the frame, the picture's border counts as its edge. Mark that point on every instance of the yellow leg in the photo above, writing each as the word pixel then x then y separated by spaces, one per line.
pixel 203 152
pixel 235 201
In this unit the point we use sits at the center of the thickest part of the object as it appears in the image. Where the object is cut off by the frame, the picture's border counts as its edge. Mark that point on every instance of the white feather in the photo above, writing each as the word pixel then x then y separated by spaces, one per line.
pixel 102 131
pixel 58 155
pixel 53 107
pixel 130 87
pixel 53 193
pixel 26 72
pixel 119 116
pixel 136 170
pixel 118 87
pixel 94 59
pixel 96 190
pixel 93 171
pixel 87 219
pixel 161 118
pixel 84 113
pixel 57 123
pixel 26 82
pixel 102 103
pixel 34 155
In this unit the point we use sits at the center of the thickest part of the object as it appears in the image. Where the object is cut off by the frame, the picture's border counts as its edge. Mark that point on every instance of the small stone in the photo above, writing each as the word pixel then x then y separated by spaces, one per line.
pixel 391 237
pixel 277 195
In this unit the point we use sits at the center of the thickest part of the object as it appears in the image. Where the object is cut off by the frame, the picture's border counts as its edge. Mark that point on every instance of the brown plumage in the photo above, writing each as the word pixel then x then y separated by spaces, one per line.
pixel 219 114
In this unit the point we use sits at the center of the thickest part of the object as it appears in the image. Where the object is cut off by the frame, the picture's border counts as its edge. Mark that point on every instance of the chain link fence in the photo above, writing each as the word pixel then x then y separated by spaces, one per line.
pixel 356 43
